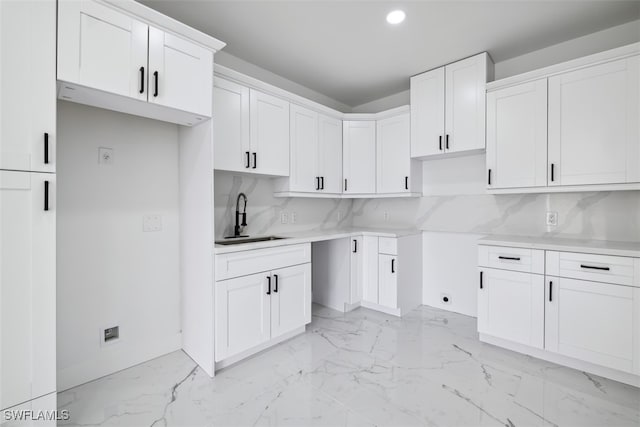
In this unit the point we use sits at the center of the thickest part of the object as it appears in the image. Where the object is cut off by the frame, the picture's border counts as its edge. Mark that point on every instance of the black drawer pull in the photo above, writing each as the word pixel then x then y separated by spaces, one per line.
pixel 406 182
pixel 345 184
pixel 46 148
pixel 446 144
pixel 552 172
pixel 355 246
pixel 155 75
pixel 440 142
pixel 593 267
pixel 268 285
pixel 46 195
pixel 511 258
pixel 255 160
pixel 248 163
pixel 141 79
pixel 489 178
pixel 322 182
pixel 393 265
pixel 481 279
pixel 275 289
pixel 317 183
pixel 550 291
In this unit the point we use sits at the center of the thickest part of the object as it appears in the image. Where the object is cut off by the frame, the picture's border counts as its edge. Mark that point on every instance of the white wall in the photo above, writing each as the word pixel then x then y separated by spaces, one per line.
pixel 109 271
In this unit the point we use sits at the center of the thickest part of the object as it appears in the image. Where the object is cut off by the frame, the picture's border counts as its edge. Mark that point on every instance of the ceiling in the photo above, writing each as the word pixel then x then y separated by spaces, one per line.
pixel 347 51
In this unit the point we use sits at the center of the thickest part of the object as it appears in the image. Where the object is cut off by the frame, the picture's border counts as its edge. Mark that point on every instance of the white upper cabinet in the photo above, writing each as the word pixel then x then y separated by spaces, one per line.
pixel 330 154
pixel 359 157
pixel 427 113
pixel 448 107
pixel 27 286
pixel 594 124
pixel 517 136
pixel 231 130
pixel 304 175
pixel 102 48
pixel 27 78
pixel 393 154
pixel 180 73
pixel 269 133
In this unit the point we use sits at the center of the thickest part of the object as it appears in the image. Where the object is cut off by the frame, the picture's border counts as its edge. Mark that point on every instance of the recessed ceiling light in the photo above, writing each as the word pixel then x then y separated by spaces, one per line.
pixel 395 17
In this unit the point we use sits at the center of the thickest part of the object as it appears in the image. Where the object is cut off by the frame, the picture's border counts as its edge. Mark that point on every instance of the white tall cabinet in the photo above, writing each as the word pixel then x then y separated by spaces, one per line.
pixel 27 205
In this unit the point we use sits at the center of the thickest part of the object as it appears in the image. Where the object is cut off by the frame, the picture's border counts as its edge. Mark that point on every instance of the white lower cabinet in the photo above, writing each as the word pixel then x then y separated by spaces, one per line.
pixel 388 280
pixel 251 310
pixel 511 306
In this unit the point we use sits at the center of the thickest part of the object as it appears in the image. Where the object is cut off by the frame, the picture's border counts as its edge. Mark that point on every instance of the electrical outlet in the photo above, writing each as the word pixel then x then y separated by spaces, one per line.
pixel 105 156
pixel 151 223
pixel 445 298
pixel 552 219
pixel 284 218
pixel 294 217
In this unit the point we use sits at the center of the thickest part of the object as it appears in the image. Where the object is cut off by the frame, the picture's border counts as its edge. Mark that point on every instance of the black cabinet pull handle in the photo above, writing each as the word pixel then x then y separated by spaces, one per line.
pixel 440 142
pixel 550 291
pixel 275 289
pixel 446 144
pixel 355 246
pixel 322 182
pixel 512 258
pixel 593 267
pixel 46 148
pixel 155 91
pixel 255 160
pixel 406 182
pixel 248 164
pixel 393 265
pixel 317 183
pixel 345 184
pixel 268 285
pixel 552 172
pixel 481 279
pixel 489 178
pixel 141 79
pixel 46 195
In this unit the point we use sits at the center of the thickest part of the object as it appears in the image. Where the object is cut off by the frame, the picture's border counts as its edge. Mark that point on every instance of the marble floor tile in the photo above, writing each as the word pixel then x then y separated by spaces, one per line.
pixel 360 369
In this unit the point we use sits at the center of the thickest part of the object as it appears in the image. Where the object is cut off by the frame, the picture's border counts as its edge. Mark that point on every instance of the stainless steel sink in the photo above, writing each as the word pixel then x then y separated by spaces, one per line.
pixel 241 240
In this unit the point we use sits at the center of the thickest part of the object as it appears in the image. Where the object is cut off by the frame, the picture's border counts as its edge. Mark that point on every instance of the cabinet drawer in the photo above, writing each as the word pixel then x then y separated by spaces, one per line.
pixel 515 259
pixel 243 263
pixel 597 268
pixel 388 245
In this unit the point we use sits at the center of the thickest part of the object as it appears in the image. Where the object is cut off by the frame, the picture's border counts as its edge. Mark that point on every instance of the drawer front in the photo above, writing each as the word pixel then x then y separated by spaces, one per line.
pixel 597 268
pixel 388 245
pixel 243 263
pixel 514 259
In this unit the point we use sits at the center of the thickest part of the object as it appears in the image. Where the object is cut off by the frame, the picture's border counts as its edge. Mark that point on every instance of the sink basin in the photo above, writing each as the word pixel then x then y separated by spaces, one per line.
pixel 241 240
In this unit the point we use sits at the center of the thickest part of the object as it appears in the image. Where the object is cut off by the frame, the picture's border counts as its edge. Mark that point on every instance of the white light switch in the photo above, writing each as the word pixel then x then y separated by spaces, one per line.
pixel 151 223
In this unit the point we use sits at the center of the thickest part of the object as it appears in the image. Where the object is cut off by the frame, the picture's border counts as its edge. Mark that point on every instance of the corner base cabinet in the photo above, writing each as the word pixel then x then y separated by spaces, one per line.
pixel 573 308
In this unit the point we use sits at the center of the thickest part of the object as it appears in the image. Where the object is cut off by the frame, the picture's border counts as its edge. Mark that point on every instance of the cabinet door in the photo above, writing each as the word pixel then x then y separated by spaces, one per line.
pixel 357 270
pixel 511 306
pixel 290 299
pixel 231 149
pixel 427 113
pixel 595 322
pixel 243 313
pixel 330 153
pixel 465 104
pixel 388 280
pixel 369 269
pixel 594 124
pixel 359 157
pixel 517 136
pixel 269 134
pixel 101 48
pixel 27 287
pixel 393 154
pixel 27 78
pixel 304 175
pixel 180 73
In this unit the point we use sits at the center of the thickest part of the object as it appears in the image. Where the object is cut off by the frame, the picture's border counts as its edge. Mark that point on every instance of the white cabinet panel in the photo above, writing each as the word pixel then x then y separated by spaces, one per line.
pixel 101 48
pixel 465 104
pixel 231 141
pixel 330 153
pixel 27 286
pixel 269 130
pixel 511 306
pixel 27 78
pixel 393 154
pixel 517 136
pixel 427 113
pixel 370 269
pixel 305 174
pixel 388 280
pixel 245 262
pixel 594 322
pixel 357 270
pixel 594 125
pixel 290 299
pixel 243 314
pixel 359 157
pixel 180 73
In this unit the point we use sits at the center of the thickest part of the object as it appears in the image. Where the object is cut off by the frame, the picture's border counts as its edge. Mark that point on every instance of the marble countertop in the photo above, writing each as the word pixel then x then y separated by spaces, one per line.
pixel 602 247
pixel 311 236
